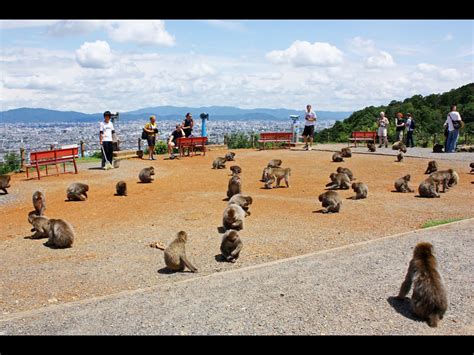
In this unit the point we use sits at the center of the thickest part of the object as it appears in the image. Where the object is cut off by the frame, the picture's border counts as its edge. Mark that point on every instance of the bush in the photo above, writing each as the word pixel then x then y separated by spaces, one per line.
pixel 12 163
pixel 97 154
pixel 241 140
pixel 161 147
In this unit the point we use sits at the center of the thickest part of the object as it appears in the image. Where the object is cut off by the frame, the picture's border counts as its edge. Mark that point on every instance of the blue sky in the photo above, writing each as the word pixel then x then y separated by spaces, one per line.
pixel 126 65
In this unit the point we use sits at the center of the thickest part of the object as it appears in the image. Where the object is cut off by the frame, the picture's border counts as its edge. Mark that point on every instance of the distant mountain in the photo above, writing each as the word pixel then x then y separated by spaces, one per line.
pixel 24 115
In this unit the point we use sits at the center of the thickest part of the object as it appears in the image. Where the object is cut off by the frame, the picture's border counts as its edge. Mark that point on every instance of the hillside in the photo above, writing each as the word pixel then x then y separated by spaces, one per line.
pixel 429 113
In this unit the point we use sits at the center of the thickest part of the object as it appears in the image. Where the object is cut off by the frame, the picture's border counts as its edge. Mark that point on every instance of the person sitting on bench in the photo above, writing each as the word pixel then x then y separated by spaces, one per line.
pixel 172 140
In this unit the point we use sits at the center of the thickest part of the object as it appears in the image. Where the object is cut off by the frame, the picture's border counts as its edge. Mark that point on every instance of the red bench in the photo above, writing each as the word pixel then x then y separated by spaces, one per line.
pixel 191 143
pixel 50 157
pixel 278 137
pixel 359 136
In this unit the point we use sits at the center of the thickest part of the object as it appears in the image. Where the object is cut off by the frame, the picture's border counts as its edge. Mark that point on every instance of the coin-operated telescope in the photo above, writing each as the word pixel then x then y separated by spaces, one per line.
pixel 204 118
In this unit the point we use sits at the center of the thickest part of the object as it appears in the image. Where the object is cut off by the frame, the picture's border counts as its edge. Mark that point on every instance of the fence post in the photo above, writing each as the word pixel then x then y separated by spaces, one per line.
pixel 22 159
pixel 82 149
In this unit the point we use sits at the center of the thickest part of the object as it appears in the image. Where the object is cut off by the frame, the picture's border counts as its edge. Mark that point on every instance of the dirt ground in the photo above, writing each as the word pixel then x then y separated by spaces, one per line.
pixel 111 253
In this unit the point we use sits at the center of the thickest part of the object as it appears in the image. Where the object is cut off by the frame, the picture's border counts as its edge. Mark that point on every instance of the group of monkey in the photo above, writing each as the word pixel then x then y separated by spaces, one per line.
pixel 429 299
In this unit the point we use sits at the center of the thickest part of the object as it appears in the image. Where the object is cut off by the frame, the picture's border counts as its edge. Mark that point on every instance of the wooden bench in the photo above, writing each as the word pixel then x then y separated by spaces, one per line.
pixel 50 157
pixel 277 137
pixel 360 136
pixel 191 143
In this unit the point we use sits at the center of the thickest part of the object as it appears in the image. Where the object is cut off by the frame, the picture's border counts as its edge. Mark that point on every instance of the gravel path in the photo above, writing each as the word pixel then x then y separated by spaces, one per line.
pixel 345 290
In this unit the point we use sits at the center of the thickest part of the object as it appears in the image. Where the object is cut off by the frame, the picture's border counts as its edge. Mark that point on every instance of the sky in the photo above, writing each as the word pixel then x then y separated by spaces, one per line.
pixel 336 65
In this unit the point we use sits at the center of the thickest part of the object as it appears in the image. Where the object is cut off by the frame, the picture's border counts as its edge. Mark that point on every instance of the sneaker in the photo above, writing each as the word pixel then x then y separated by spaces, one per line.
pixel 305 147
pixel 153 158
pixel 309 148
pixel 150 158
pixel 386 145
pixel 380 146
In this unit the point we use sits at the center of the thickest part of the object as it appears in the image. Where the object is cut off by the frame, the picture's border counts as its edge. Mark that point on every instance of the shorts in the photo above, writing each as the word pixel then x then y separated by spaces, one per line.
pixel 172 144
pixel 383 131
pixel 151 140
pixel 308 131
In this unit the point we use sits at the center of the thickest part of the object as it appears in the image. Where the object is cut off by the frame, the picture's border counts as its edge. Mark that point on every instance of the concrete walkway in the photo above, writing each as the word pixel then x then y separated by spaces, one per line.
pixel 341 291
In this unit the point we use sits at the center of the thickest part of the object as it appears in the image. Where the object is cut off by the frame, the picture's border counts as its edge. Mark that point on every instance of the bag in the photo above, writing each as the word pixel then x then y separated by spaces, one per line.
pixel 144 134
pixel 412 124
pixel 456 124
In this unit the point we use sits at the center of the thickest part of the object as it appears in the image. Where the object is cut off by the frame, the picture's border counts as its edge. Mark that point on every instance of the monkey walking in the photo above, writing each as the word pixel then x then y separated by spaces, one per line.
pixel 277 174
pixel 175 254
pixel 231 245
pixel 330 200
pixel 5 183
pixel 429 300
pixel 39 202
pixel 399 146
pixel 77 191
pixel 146 174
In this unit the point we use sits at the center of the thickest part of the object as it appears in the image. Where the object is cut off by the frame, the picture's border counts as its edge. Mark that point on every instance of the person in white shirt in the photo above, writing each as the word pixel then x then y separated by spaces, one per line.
pixel 410 125
pixel 308 132
pixel 382 123
pixel 106 141
pixel 453 121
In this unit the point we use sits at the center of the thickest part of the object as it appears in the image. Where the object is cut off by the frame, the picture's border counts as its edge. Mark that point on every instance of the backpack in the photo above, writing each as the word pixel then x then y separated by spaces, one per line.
pixel 412 124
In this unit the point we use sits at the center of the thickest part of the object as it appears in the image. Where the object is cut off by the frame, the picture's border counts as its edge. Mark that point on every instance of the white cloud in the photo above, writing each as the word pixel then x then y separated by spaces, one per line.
pixel 427 68
pixel 143 32
pixel 438 72
pixel 381 60
pixel 9 24
pixel 74 27
pixel 94 55
pixel 362 46
pixel 303 53
pixel 199 70
pixel 449 74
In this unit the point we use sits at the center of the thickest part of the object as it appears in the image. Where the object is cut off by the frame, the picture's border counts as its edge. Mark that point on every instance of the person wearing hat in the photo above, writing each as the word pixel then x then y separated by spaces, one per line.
pixel 151 130
pixel 410 125
pixel 105 138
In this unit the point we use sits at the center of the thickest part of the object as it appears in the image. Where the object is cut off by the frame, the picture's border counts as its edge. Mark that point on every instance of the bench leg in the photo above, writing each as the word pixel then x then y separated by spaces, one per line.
pixel 75 166
pixel 57 170
pixel 38 172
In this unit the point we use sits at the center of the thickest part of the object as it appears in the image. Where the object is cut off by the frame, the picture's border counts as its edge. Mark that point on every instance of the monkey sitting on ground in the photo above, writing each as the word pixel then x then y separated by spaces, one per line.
pixel 175 254
pixel 346 171
pixel 442 177
pixel 233 217
pixel 235 186
pixel 231 245
pixel 277 174
pixel 399 146
pixel 339 181
pixel 77 191
pixel 235 169
pixel 331 201
pixel 145 175
pixel 5 183
pixel 372 147
pixel 438 148
pixel 121 188
pixel 274 163
pixel 242 201
pixel 337 157
pixel 429 188
pixel 230 156
pixel 432 167
pixel 472 168
pixel 400 157
pixel 429 300
pixel 401 185
pixel 61 234
pixel 346 152
pixel 219 163
pixel 360 189
pixel 39 202
pixel 40 225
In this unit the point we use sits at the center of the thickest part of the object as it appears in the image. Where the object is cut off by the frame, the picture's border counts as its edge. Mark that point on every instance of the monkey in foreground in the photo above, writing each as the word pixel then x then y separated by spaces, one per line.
pixel 429 300
pixel 243 201
pixel 337 157
pixel 400 157
pixel 145 175
pixel 274 163
pixel 428 188
pixel 371 146
pixel 39 202
pixel 77 191
pixel 432 167
pixel 346 171
pixel 472 167
pixel 231 245
pixel 230 156
pixel 121 188
pixel 339 181
pixel 5 183
pixel 61 234
pixel 39 224
pixel 401 185
pixel 235 186
pixel 331 201
pixel 442 177
pixel 360 189
pixel 277 174
pixel 219 163
pixel 233 217
pixel 175 254
pixel 346 152
pixel 235 169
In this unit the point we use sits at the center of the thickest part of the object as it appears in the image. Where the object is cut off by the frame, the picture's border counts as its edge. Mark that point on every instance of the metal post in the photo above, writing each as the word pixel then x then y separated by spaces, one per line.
pixel 22 159
pixel 82 149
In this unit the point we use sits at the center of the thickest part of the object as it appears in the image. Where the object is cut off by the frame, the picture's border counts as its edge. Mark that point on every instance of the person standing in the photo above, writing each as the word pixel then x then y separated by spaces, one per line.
pixel 410 125
pixel 188 125
pixel 399 127
pixel 454 122
pixel 105 138
pixel 151 130
pixel 382 123
pixel 308 132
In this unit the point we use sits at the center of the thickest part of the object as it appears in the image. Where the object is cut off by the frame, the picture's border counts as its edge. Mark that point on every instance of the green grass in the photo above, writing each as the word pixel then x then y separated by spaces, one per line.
pixel 88 160
pixel 437 222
